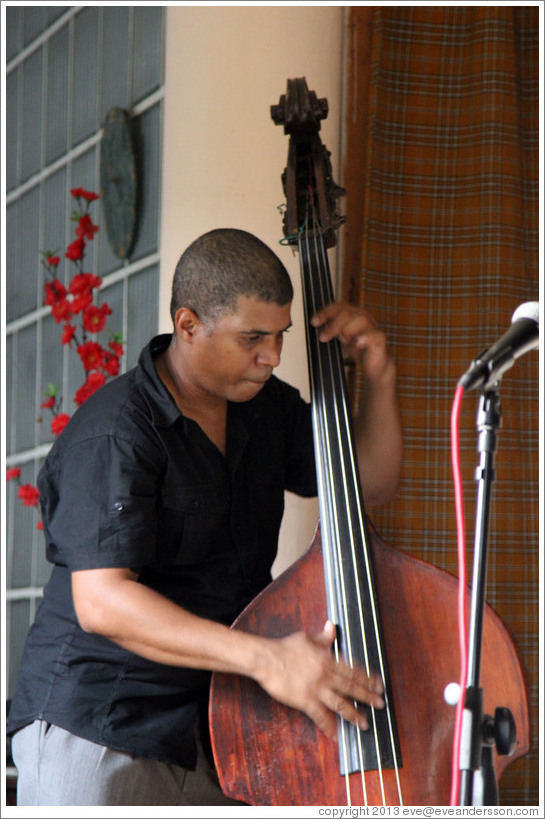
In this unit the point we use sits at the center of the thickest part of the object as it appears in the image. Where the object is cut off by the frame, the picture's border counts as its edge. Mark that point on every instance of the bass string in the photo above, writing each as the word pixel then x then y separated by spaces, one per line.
pixel 352 493
pixel 318 288
pixel 322 443
pixel 327 378
pixel 326 371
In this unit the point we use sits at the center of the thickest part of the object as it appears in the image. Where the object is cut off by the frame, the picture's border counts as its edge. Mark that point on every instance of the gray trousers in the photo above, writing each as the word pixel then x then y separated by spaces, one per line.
pixel 57 768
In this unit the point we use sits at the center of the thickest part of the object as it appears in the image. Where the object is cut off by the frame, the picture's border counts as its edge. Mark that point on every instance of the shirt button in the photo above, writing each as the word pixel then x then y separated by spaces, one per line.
pixel 118 506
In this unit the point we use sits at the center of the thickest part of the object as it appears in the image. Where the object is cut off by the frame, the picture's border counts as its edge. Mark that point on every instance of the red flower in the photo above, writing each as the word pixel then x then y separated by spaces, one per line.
pixel 40 525
pixel 82 301
pixel 86 229
pixel 111 364
pixel 81 193
pixel 13 473
pixel 117 347
pixel 74 252
pixel 53 261
pixel 91 354
pixel 29 494
pixel 49 403
pixel 59 422
pixel 94 318
pixel 93 383
pixel 83 282
pixel 69 331
pixel 54 292
pixel 61 311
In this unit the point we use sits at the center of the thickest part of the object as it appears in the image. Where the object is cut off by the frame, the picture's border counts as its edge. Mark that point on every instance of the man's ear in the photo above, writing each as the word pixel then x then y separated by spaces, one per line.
pixel 186 323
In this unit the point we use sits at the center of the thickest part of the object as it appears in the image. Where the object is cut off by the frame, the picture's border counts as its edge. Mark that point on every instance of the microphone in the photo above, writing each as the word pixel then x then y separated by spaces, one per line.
pixel 520 338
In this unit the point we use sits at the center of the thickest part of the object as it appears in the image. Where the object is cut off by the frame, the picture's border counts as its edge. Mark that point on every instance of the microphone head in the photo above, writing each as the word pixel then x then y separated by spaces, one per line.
pixel 521 337
pixel 529 309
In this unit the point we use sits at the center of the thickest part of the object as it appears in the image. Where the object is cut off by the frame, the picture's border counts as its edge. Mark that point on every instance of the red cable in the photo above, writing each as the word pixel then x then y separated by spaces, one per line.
pixel 462 633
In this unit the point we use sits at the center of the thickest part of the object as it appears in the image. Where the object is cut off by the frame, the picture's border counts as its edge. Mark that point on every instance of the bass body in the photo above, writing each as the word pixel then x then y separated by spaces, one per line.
pixel 269 754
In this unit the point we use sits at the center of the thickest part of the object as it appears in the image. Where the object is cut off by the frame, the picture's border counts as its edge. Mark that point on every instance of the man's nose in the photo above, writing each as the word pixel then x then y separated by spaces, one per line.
pixel 270 354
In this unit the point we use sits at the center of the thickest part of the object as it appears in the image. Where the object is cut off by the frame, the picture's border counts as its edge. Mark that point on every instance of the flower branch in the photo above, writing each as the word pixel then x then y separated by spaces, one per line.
pixel 76 308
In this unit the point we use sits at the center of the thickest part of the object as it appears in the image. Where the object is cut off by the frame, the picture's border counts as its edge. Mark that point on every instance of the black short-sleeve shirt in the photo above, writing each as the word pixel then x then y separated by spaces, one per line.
pixel 132 483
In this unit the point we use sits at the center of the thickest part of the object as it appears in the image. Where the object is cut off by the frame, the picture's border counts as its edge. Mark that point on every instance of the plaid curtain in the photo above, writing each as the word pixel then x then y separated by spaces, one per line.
pixel 441 244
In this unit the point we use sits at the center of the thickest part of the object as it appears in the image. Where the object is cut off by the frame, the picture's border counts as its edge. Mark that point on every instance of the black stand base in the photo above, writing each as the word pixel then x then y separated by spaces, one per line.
pixel 478 785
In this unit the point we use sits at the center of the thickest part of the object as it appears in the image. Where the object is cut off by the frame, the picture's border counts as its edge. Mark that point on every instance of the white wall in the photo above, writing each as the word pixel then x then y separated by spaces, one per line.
pixel 223 155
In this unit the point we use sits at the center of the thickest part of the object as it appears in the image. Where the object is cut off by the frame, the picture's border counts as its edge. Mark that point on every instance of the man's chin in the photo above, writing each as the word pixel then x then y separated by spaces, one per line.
pixel 247 390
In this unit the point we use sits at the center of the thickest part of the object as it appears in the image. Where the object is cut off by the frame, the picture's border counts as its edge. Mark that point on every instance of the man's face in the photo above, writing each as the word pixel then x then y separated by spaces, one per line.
pixel 234 358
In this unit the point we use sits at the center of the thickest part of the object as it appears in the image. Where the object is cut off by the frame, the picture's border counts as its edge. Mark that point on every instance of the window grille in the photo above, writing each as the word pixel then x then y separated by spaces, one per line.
pixel 66 66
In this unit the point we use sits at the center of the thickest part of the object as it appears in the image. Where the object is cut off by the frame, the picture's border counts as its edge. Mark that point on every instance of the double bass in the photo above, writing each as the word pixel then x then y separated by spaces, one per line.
pixel 393 613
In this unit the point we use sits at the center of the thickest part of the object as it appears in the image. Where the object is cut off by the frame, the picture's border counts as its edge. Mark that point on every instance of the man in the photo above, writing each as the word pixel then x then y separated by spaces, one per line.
pixel 162 501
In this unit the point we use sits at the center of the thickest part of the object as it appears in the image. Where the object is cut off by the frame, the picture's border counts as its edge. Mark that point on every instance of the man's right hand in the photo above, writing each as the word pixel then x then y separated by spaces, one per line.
pixel 304 674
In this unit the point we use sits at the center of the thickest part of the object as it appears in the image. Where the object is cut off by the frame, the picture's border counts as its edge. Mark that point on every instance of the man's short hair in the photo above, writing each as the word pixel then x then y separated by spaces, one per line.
pixel 222 265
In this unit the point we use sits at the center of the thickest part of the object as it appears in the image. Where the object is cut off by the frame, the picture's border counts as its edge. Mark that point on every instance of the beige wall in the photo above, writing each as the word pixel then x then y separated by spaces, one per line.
pixel 223 155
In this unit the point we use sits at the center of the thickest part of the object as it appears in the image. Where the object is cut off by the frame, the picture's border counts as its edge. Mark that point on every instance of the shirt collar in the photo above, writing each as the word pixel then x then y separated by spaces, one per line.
pixel 163 407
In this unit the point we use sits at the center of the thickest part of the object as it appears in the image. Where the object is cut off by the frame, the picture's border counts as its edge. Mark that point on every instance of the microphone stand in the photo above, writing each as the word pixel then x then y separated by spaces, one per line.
pixel 481 732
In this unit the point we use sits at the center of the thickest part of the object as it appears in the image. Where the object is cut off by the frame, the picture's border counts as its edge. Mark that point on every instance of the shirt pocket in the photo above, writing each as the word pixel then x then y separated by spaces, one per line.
pixel 193 524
